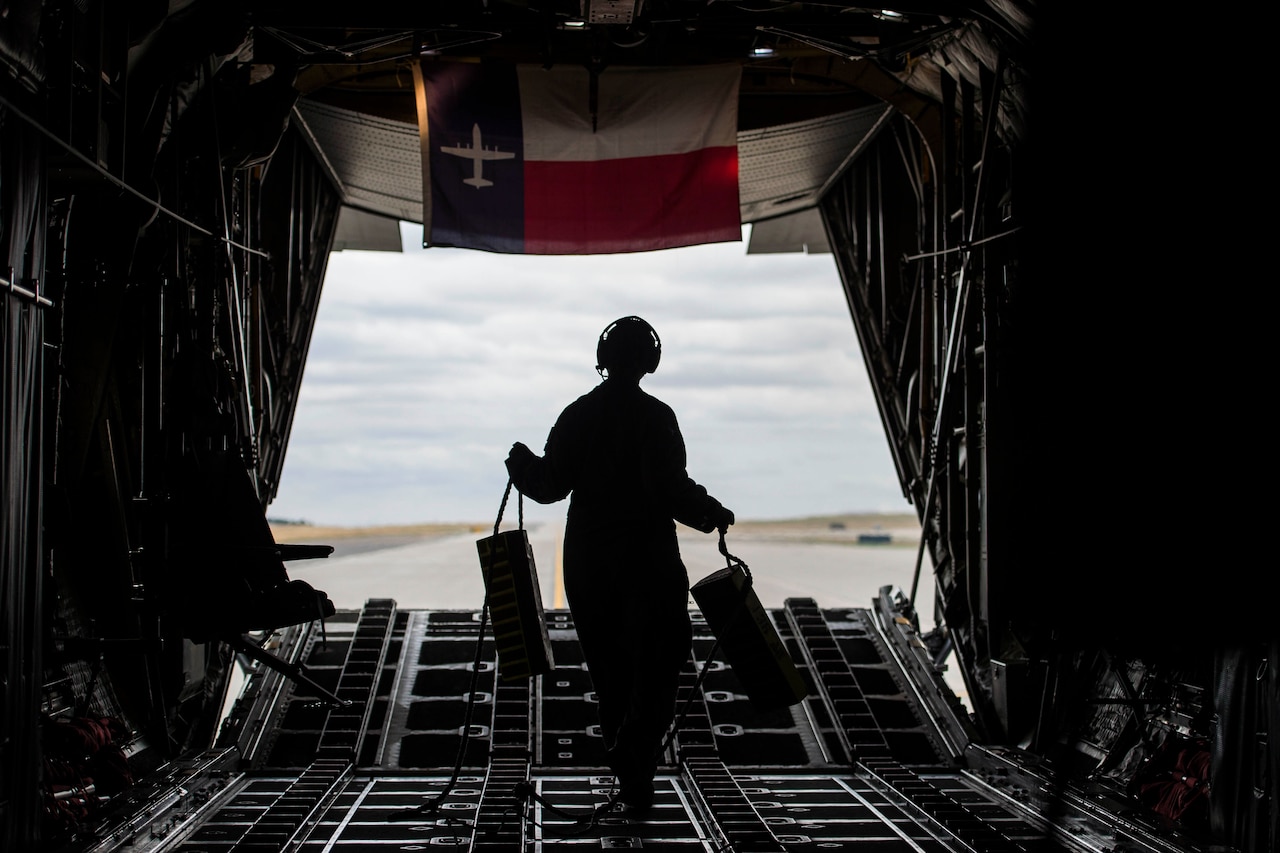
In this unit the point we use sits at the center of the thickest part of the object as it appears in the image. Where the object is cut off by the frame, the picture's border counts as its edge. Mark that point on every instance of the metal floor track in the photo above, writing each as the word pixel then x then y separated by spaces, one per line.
pixel 859 765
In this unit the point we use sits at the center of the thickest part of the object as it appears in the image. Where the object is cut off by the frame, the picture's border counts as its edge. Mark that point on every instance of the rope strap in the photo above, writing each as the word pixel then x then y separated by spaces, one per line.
pixel 503 507
pixel 432 807
pixel 729 560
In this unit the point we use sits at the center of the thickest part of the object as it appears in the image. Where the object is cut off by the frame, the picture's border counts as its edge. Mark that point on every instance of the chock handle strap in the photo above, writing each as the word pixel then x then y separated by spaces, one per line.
pixel 730 559
pixel 519 505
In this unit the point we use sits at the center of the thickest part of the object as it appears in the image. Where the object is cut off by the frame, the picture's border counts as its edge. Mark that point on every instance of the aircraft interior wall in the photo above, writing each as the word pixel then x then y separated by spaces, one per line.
pixel 165 274
pixel 1020 361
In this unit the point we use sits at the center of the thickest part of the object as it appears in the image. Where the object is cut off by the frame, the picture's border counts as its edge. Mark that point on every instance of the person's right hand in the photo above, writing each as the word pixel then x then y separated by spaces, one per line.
pixel 519 456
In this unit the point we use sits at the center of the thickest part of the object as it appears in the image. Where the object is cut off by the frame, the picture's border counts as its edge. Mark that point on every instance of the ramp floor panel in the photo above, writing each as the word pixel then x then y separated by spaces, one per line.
pixel 854 766
pixel 804 812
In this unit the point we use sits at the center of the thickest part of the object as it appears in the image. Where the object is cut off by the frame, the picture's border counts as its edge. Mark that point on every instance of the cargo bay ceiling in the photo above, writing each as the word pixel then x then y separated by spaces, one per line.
pixel 808 102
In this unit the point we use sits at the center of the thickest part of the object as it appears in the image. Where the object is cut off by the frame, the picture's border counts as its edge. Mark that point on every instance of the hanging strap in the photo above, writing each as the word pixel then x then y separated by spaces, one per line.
pixel 432 807
pixel 729 561
pixel 520 508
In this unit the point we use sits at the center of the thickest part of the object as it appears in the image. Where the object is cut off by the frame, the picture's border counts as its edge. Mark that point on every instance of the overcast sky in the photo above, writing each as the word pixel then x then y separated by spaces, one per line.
pixel 425 367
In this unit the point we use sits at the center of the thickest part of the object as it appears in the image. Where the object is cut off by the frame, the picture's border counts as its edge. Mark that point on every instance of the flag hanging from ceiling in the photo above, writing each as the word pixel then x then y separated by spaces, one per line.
pixel 547 161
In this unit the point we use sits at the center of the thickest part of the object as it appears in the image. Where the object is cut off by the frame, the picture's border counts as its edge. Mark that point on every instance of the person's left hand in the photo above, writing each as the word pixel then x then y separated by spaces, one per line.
pixel 723 518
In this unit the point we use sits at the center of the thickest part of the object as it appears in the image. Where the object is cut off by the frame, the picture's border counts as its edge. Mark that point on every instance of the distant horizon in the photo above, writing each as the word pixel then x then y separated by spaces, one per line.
pixel 819 517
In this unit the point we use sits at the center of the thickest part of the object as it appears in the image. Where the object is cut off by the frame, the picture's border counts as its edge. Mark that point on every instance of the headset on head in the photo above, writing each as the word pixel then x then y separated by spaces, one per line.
pixel 629 331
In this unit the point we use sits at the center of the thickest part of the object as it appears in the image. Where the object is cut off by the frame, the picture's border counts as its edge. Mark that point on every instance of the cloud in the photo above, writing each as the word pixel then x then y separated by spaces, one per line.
pixel 425 366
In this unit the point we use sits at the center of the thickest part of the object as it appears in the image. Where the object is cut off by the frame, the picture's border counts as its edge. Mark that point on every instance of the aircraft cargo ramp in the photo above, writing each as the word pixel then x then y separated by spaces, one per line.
pixel 874 759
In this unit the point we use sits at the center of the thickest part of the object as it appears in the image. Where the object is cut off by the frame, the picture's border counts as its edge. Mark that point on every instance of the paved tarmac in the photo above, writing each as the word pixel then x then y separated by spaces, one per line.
pixel 443 573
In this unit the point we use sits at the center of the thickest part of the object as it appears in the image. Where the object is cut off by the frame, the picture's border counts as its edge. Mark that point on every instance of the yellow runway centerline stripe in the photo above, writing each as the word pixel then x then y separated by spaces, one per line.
pixel 558 601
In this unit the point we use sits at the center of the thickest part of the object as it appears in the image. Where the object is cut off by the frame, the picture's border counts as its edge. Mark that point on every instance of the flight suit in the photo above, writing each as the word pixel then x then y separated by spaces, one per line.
pixel 620 454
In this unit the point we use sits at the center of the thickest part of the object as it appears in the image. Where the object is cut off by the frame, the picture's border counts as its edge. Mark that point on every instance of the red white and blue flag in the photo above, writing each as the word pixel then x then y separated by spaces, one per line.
pixel 530 160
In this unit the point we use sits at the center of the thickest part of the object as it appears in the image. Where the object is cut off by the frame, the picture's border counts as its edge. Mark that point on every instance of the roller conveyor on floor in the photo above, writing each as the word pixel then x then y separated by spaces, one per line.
pixel 862 764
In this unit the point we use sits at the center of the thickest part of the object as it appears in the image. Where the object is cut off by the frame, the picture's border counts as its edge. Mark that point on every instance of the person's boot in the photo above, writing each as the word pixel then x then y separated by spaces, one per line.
pixel 635 772
pixel 637 794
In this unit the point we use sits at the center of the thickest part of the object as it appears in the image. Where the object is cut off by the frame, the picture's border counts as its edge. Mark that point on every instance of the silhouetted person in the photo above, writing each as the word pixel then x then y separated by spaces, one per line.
pixel 620 453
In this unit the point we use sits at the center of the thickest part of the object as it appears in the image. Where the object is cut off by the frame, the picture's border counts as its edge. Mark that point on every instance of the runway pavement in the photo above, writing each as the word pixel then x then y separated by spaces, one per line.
pixel 443 572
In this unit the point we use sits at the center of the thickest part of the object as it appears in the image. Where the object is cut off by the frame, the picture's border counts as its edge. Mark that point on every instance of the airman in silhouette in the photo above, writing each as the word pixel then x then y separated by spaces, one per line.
pixel 619 453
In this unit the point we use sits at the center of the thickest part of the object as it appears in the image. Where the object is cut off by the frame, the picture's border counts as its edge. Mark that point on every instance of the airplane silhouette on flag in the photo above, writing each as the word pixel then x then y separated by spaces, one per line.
pixel 477 154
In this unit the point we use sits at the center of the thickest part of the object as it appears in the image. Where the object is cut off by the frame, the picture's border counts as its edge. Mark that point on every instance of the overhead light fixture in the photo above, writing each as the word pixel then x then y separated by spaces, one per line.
pixel 891 15
pixel 760 52
pixel 575 25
